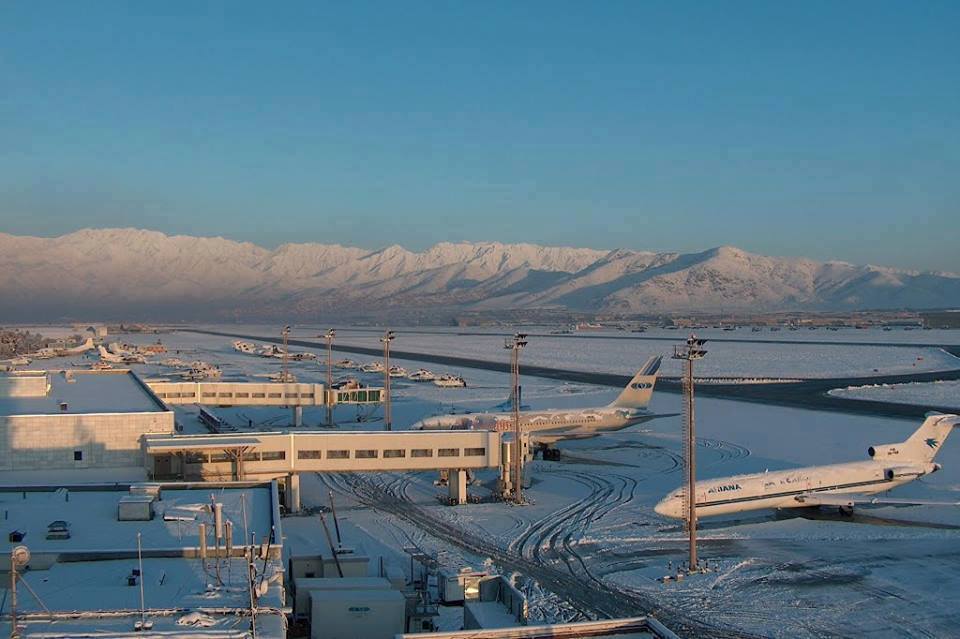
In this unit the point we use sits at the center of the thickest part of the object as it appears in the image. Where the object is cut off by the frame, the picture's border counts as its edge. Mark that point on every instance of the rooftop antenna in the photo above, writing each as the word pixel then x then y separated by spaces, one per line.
pixel 333 551
pixel 514 344
pixel 688 352
pixel 388 337
pixel 19 556
pixel 143 624
pixel 329 335
pixel 336 524
pixel 251 578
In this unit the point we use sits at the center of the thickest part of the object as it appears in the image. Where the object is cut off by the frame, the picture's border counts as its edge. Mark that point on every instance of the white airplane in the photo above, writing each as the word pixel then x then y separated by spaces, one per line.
pixel 550 426
pixel 78 350
pixel 841 485
pixel 114 358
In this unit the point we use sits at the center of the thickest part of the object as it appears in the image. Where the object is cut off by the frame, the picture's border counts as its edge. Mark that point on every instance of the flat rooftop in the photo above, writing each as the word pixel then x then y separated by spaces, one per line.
pixel 94 528
pixel 89 392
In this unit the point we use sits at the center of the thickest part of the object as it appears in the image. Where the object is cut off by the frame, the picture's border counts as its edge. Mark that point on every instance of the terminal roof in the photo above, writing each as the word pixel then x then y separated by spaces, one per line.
pixel 89 392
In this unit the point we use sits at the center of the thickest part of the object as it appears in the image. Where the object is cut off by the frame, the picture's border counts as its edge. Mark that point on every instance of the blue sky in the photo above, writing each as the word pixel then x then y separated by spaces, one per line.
pixel 824 129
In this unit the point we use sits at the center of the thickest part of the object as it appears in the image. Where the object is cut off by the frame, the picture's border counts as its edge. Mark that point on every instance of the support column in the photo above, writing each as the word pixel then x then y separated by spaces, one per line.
pixel 298 415
pixel 293 492
pixel 457 486
pixel 506 483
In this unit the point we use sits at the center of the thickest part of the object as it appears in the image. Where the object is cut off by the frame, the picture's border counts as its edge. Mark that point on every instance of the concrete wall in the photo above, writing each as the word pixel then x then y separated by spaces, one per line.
pixel 35 442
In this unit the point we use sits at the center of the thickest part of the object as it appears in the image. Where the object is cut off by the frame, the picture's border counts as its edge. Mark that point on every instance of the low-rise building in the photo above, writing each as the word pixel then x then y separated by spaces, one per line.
pixel 198 562
pixel 77 419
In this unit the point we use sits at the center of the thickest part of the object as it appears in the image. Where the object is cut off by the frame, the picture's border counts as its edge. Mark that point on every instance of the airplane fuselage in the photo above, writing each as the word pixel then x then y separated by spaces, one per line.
pixel 796 488
pixel 547 426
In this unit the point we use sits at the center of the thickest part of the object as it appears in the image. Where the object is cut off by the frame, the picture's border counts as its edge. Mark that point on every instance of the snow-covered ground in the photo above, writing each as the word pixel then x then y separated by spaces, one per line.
pixel 590 542
pixel 940 393
pixel 619 353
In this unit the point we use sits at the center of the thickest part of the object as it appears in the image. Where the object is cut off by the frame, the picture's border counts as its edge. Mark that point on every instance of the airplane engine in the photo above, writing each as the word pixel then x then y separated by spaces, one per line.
pixel 898 472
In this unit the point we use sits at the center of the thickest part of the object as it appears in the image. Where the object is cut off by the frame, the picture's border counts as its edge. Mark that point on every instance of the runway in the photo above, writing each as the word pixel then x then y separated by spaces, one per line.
pixel 809 393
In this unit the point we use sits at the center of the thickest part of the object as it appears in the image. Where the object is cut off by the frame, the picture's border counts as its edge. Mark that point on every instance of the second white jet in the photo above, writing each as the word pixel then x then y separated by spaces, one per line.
pixel 841 485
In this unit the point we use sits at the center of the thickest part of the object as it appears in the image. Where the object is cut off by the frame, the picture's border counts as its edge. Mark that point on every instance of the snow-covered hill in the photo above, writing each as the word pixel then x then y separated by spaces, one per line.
pixel 134 272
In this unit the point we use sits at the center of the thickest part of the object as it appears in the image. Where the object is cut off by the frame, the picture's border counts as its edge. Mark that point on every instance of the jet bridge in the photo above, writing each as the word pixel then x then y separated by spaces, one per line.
pixel 260 394
pixel 285 455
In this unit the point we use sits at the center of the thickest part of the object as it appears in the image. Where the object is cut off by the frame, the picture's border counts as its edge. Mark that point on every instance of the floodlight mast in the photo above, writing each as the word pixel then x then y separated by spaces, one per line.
pixel 285 332
pixel 688 352
pixel 514 344
pixel 329 335
pixel 388 337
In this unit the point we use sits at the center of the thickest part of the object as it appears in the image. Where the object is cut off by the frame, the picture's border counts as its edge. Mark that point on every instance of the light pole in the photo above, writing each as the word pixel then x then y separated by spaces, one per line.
pixel 285 332
pixel 514 344
pixel 688 352
pixel 330 334
pixel 388 337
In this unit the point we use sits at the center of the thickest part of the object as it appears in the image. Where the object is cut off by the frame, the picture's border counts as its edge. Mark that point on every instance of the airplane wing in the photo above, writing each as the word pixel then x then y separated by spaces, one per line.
pixel 849 501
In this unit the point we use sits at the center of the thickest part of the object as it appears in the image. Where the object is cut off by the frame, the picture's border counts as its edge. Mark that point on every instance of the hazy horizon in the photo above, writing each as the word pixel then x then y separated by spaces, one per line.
pixel 819 130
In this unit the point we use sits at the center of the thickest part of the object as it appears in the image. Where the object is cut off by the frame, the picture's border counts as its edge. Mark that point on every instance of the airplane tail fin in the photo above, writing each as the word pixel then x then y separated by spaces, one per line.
pixel 925 443
pixel 638 392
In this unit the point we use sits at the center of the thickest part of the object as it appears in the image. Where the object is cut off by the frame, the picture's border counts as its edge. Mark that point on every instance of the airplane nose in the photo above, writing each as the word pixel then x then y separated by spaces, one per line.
pixel 663 508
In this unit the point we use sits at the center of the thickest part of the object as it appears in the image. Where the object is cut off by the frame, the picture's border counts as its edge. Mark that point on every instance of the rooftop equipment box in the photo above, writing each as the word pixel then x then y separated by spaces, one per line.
pixel 303 586
pixel 135 508
pixel 356 614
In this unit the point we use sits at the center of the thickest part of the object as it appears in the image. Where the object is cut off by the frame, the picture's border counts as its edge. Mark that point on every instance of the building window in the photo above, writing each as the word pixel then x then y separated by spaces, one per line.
pixel 242 395
pixel 274 395
pixel 258 395
pixel 421 452
pixel 365 454
pixel 373 396
pixel 338 454
pixel 309 454
pixel 448 452
pixel 78 455
pixel 474 452
pixel 394 453
pixel 273 455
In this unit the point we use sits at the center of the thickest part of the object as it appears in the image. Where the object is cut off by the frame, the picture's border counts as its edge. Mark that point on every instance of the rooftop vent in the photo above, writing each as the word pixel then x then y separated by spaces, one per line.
pixel 63 407
pixel 58 529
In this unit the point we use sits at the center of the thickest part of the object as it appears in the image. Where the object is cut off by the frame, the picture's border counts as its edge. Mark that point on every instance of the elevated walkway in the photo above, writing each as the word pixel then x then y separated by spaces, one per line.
pixel 259 394
pixel 285 455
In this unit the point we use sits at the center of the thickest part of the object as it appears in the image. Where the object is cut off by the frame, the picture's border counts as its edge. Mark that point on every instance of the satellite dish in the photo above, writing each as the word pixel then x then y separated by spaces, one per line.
pixel 20 555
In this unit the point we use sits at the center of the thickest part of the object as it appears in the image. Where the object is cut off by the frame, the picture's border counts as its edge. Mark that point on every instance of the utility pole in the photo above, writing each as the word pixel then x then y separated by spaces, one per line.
pixel 388 336
pixel 285 332
pixel 688 352
pixel 330 334
pixel 514 344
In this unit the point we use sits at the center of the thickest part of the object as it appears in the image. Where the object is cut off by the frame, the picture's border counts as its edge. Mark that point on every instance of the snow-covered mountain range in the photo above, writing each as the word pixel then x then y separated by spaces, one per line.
pixel 130 272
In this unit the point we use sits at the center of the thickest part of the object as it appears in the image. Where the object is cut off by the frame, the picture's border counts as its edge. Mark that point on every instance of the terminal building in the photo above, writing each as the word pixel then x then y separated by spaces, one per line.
pixel 198 551
pixel 57 420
